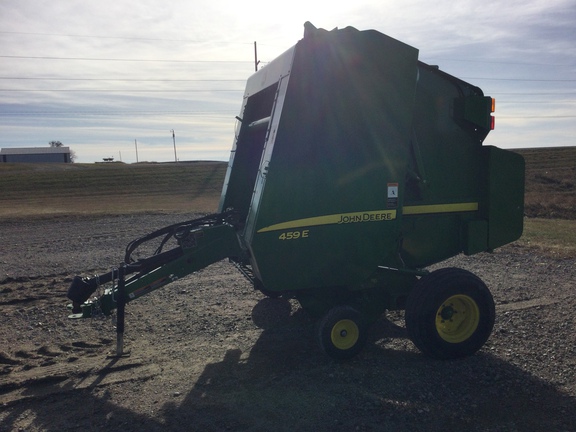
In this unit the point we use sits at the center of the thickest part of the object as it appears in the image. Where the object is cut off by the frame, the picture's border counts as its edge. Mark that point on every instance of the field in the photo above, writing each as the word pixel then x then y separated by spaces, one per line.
pixel 208 353
pixel 550 199
pixel 32 190
pixel 550 180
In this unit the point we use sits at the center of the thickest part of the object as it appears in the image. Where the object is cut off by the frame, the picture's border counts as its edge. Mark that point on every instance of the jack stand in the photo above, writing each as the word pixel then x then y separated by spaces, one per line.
pixel 120 314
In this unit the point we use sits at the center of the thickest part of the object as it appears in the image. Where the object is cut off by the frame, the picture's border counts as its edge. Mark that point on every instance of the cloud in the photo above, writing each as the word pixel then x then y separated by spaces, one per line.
pixel 99 75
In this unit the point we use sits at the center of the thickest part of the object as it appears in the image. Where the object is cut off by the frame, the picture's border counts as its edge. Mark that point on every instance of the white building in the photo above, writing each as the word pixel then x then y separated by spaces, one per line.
pixel 36 154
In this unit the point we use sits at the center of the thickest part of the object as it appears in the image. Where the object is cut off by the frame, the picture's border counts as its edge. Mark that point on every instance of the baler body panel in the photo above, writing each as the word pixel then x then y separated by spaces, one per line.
pixel 504 195
pixel 463 196
pixel 326 206
pixel 252 145
pixel 351 156
pixel 445 189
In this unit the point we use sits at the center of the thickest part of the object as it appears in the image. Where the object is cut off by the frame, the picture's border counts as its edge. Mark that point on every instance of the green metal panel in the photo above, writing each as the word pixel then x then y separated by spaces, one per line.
pixel 444 188
pixel 350 156
pixel 327 216
pixel 476 236
pixel 505 196
pixel 475 109
pixel 205 246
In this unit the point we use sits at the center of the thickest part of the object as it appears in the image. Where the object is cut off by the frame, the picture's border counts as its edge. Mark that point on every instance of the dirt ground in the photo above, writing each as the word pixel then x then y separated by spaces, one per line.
pixel 208 353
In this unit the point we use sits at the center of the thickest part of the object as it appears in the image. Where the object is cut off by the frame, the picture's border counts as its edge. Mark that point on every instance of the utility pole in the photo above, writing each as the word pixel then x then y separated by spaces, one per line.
pixel 256 61
pixel 136 145
pixel 174 140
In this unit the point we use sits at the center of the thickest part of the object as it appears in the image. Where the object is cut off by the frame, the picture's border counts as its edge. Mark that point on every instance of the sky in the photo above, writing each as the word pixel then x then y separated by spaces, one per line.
pixel 115 78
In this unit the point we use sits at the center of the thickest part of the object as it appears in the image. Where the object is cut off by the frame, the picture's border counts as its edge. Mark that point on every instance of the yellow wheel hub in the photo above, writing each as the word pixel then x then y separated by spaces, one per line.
pixel 345 334
pixel 457 319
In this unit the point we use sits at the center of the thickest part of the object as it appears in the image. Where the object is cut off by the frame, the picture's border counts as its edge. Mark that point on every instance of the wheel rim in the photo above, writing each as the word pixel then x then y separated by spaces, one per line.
pixel 457 319
pixel 345 334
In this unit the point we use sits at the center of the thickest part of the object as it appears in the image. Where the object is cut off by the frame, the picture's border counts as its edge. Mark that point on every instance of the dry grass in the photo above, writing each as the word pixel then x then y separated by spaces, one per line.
pixel 550 182
pixel 40 190
pixel 552 236
pixel 111 205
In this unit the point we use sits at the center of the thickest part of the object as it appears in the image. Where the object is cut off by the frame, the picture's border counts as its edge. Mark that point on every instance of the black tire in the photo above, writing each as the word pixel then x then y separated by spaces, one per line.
pixel 450 314
pixel 342 332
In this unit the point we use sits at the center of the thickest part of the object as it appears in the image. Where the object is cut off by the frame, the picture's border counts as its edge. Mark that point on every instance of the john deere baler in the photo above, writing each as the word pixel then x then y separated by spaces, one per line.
pixel 354 167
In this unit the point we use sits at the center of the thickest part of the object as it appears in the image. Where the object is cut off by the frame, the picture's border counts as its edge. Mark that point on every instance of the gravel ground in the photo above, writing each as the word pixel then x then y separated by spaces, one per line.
pixel 208 353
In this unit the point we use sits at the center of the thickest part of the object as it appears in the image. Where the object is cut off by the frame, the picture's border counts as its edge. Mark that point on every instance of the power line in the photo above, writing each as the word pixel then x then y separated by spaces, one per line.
pixel 434 59
pixel 217 114
pixel 520 79
pixel 126 111
pixel 123 79
pixel 547 102
pixel 121 90
pixel 121 60
pixel 537 117
pixel 210 90
pixel 101 37
pixel 563 93
pixel 483 61
pixel 211 42
pixel 124 114
pixel 206 61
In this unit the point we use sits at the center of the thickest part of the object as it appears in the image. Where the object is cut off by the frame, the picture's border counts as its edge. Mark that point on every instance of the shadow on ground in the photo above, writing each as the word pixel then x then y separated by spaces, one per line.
pixel 284 383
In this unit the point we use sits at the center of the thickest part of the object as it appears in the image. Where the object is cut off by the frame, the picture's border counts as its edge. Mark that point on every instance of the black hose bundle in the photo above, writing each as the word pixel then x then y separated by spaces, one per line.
pixel 177 231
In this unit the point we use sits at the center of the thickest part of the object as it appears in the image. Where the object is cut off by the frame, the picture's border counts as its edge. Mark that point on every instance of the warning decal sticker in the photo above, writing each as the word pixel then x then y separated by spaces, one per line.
pixel 392 195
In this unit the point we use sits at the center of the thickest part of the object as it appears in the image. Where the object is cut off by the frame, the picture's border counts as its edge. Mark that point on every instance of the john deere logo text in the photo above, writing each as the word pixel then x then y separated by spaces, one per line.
pixel 374 216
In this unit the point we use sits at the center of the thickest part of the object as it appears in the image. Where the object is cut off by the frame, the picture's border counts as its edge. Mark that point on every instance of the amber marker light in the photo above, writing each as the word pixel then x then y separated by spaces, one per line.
pixel 492 109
